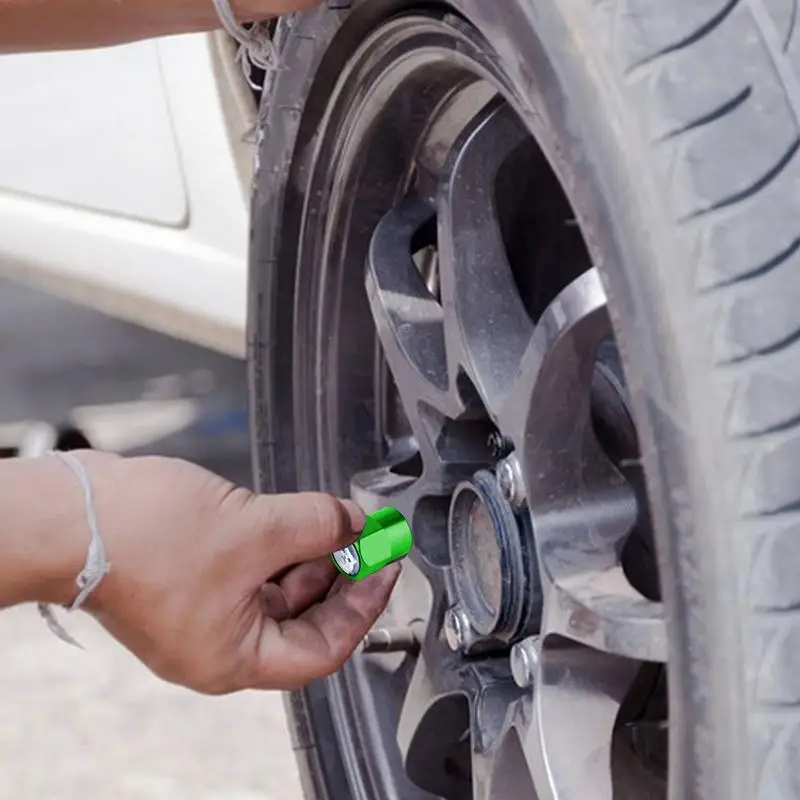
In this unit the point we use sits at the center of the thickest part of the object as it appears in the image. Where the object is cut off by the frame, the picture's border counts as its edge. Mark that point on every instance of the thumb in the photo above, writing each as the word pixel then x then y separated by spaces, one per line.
pixel 303 527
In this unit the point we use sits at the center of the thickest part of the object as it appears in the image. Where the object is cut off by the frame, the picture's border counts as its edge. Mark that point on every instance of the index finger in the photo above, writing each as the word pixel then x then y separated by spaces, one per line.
pixel 318 642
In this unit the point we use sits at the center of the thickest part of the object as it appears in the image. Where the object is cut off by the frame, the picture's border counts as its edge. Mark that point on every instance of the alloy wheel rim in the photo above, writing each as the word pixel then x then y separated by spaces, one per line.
pixel 467 358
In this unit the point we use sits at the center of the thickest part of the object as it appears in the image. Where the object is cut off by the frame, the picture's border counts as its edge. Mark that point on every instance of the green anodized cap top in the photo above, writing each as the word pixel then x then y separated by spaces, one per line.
pixel 386 538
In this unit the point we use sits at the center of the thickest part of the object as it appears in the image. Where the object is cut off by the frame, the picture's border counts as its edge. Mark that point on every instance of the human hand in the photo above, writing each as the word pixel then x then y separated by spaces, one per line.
pixel 218 589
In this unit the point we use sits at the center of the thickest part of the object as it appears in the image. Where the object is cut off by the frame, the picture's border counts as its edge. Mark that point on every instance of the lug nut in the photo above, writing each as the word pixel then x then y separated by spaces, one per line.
pixel 525 661
pixel 457 629
pixel 510 482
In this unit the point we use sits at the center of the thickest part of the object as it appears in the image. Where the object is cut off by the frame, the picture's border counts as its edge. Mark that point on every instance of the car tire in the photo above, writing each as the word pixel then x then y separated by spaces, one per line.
pixel 675 129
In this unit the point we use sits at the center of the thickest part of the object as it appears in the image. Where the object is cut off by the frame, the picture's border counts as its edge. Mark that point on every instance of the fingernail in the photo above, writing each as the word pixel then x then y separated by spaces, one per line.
pixel 358 519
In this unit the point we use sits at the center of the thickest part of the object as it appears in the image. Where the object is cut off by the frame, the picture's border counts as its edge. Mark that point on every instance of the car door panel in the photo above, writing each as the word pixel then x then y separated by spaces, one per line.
pixel 122 186
pixel 93 129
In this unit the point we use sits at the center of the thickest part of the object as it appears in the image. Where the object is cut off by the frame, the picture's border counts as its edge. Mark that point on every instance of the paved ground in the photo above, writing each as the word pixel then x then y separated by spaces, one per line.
pixel 95 725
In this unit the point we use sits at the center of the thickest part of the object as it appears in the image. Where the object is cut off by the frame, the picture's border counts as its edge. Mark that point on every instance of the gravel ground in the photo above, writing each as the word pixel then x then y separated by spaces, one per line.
pixel 95 724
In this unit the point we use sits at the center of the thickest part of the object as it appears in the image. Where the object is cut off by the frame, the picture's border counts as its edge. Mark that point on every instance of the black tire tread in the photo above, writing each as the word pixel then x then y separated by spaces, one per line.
pixel 732 171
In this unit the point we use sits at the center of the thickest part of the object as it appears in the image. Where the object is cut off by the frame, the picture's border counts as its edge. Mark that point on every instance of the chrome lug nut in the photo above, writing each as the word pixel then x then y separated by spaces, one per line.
pixel 525 661
pixel 510 482
pixel 457 630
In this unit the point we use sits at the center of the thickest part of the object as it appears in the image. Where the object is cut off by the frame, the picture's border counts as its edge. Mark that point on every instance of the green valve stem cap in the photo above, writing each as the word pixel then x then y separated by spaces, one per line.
pixel 386 538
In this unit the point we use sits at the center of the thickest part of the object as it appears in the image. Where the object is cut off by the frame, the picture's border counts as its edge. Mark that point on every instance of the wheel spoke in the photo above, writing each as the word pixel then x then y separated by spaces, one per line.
pixel 557 739
pixel 493 704
pixel 433 728
pixel 494 694
pixel 603 610
pixel 410 325
pixel 582 508
pixel 485 316
pixel 455 713
pixel 409 320
pixel 569 736
pixel 548 404
pixel 587 596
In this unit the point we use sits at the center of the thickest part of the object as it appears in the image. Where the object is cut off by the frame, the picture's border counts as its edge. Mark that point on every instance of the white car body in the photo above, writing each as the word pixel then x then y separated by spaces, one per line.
pixel 124 182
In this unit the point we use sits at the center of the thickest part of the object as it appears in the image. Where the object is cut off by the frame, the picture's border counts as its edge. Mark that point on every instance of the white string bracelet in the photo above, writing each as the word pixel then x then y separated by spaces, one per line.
pixel 255 40
pixel 96 566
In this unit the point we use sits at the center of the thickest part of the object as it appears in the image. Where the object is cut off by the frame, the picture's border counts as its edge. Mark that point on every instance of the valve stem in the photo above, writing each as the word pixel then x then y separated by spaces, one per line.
pixel 390 640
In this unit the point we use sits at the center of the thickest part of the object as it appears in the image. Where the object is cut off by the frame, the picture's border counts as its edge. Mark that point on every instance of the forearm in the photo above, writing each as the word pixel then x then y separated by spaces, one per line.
pixel 60 24
pixel 43 532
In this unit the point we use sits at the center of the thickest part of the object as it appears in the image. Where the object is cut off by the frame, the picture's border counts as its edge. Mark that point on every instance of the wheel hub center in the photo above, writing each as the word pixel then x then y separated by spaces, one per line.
pixel 496 580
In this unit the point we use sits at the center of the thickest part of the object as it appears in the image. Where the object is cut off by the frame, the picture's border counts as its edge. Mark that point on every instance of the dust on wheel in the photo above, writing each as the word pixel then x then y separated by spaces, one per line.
pixel 473 300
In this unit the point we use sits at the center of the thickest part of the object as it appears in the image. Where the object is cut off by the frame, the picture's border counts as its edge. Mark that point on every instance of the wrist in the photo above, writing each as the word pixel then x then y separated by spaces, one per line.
pixel 45 532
